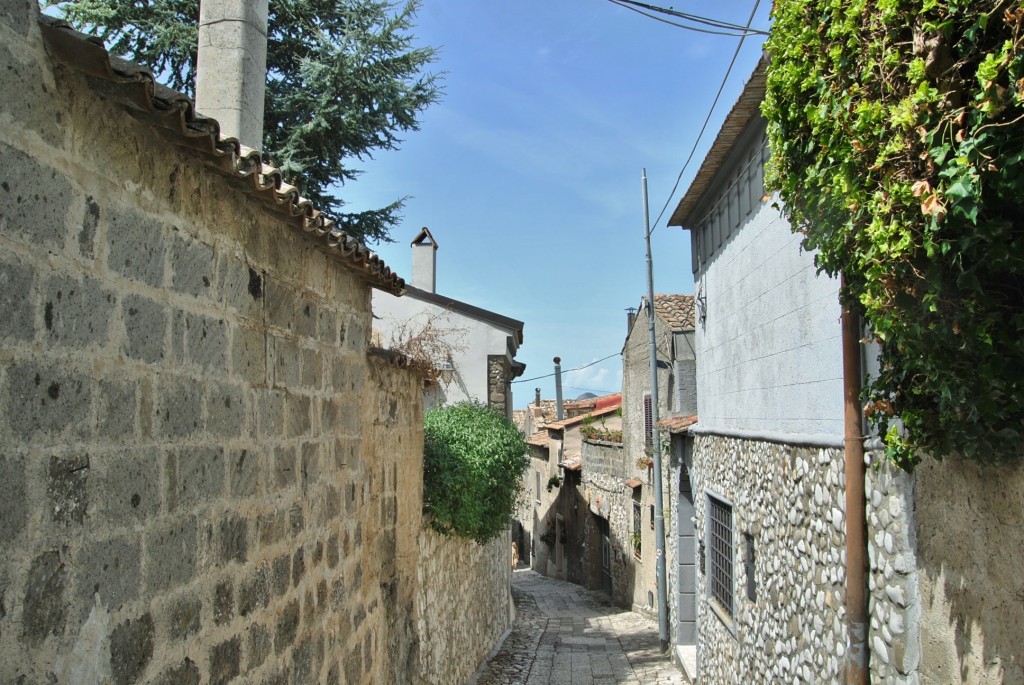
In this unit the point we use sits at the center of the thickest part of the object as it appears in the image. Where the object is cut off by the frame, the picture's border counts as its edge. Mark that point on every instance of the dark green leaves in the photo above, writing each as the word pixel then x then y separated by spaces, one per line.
pixel 472 468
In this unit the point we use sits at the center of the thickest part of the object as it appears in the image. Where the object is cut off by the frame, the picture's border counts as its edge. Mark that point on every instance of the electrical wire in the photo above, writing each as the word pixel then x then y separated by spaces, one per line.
pixel 733 29
pixel 725 79
pixel 578 368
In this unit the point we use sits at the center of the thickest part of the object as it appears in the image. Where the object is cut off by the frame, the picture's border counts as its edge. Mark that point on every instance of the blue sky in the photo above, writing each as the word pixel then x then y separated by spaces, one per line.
pixel 528 171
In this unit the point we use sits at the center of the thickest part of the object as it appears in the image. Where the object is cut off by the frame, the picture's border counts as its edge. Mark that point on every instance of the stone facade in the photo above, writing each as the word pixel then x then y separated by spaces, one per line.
pixel 609 498
pixel 790 501
pixel 460 615
pixel 499 389
pixel 205 472
pixel 674 336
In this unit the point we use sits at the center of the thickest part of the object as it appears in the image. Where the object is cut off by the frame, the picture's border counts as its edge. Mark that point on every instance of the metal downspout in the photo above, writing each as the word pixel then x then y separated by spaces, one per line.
pixel 856 523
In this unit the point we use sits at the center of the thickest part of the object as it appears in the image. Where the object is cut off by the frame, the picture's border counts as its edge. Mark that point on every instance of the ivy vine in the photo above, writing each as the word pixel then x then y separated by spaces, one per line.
pixel 897 137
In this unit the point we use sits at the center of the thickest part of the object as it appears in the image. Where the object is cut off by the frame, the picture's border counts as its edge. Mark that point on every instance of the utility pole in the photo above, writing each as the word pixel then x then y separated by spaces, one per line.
pixel 659 505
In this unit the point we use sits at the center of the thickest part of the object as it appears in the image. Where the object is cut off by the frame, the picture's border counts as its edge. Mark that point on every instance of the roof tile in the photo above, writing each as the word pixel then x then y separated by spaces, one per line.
pixel 675 310
pixel 173 115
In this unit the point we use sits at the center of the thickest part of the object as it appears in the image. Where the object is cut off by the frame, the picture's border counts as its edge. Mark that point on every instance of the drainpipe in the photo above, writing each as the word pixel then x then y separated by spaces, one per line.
pixel 856 522
pixel 559 411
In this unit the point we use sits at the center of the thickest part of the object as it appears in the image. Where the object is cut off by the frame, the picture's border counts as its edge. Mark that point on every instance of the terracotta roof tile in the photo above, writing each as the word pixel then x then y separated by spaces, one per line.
pixel 574 464
pixel 675 310
pixel 677 424
pixel 539 439
pixel 610 408
pixel 173 115
pixel 633 483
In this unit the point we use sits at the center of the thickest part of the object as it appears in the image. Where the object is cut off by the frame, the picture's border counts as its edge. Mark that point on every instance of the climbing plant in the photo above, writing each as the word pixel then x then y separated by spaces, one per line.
pixel 474 461
pixel 897 137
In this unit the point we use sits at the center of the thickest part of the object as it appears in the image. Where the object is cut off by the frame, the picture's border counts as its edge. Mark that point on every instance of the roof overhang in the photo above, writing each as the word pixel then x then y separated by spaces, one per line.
pixel 747 108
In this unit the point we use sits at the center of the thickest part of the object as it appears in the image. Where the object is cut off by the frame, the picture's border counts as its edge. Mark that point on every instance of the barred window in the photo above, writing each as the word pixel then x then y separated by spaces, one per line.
pixel 720 552
pixel 637 522
pixel 648 423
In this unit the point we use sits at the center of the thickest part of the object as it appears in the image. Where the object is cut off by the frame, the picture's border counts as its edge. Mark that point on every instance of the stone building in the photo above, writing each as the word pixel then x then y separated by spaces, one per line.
pixel 764 468
pixel 205 469
pixel 674 342
pixel 554 517
pixel 482 344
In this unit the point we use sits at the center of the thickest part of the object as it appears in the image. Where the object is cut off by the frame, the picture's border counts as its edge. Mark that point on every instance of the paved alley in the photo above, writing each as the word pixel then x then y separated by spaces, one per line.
pixel 567 635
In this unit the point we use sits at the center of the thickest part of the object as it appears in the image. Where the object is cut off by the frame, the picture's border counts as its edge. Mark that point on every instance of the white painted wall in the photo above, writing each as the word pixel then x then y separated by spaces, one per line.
pixel 768 354
pixel 476 337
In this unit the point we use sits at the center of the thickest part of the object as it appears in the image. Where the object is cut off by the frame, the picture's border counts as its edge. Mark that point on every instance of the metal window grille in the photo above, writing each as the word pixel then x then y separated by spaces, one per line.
pixel 720 552
pixel 648 423
pixel 637 519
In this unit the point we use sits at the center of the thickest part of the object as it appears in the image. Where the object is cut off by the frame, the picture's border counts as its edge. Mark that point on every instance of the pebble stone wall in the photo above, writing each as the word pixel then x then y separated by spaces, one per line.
pixel 791 500
pixel 895 604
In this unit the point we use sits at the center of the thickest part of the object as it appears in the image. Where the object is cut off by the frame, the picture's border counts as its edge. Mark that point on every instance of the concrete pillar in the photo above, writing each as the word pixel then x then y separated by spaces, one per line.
pixel 232 67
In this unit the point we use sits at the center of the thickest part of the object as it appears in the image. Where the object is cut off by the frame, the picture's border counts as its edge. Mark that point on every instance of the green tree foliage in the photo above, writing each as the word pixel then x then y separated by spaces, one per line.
pixel 344 80
pixel 473 465
pixel 897 135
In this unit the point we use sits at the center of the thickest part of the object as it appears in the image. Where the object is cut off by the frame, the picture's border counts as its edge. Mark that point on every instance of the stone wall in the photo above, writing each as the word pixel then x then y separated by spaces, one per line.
pixel 463 604
pixel 608 497
pixel 790 499
pixel 894 602
pixel 202 473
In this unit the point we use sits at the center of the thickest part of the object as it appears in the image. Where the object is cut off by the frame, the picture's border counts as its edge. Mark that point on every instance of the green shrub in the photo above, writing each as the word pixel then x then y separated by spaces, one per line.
pixel 473 465
pixel 896 137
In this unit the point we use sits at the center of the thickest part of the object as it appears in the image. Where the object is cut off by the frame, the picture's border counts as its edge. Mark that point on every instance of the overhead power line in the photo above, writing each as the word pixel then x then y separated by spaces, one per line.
pixel 578 368
pixel 729 29
pixel 693 150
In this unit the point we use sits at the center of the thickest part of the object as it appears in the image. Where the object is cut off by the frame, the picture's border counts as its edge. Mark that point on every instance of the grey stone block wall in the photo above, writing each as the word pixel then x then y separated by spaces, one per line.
pixel 200 478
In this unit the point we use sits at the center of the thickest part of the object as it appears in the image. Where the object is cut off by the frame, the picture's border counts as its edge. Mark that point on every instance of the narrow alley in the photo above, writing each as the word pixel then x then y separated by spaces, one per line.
pixel 567 635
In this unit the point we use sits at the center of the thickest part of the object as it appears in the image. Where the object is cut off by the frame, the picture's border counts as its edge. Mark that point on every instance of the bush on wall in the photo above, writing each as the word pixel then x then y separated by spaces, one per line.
pixel 897 146
pixel 473 466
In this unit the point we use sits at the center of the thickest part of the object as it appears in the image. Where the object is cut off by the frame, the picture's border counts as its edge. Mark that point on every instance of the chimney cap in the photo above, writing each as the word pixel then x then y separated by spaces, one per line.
pixel 424 237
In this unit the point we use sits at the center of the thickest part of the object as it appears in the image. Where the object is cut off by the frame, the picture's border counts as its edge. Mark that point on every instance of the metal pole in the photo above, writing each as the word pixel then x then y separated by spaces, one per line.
pixel 559 412
pixel 659 506
pixel 856 523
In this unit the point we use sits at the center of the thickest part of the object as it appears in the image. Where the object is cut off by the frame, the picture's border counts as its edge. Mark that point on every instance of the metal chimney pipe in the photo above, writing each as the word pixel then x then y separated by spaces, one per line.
pixel 630 318
pixel 559 411
pixel 231 71
pixel 536 396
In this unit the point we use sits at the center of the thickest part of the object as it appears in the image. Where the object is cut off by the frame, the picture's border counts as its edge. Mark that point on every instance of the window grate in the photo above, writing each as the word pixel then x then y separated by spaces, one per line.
pixel 637 523
pixel 720 552
pixel 648 423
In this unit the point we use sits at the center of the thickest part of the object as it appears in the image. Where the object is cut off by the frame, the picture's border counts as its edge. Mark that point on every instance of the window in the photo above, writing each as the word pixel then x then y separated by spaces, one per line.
pixel 720 552
pixel 638 513
pixel 536 490
pixel 648 423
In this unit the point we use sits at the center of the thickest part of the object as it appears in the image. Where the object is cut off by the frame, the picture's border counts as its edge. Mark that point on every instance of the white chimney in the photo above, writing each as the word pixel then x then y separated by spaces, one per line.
pixel 231 71
pixel 424 261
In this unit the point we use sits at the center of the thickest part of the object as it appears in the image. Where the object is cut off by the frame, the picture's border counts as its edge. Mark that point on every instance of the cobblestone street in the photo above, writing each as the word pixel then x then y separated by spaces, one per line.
pixel 567 635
